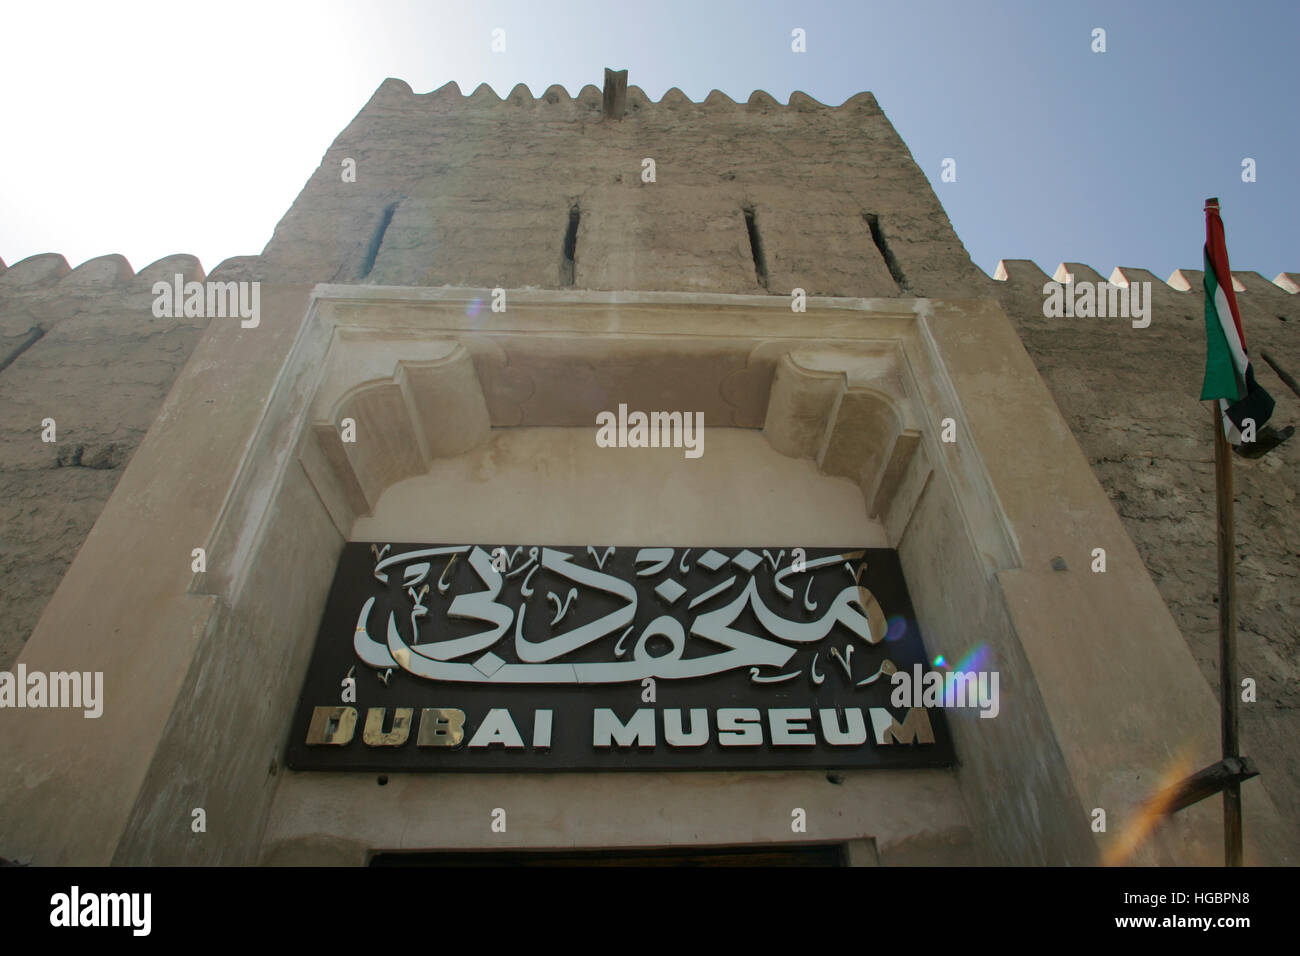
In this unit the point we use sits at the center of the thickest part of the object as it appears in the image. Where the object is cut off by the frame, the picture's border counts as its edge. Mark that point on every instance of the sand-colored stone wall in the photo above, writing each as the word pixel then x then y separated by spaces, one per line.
pixel 1130 397
pixel 80 346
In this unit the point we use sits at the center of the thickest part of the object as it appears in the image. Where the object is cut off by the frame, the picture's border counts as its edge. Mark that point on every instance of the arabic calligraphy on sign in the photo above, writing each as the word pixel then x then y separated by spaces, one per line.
pixel 547 615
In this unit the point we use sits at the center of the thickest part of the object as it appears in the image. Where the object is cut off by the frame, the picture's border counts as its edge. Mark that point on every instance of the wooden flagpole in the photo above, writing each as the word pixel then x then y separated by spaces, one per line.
pixel 1227 636
pixel 1232 769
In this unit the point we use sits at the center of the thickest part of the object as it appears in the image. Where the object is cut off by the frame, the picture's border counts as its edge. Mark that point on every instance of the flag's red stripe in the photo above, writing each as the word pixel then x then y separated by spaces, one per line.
pixel 1216 247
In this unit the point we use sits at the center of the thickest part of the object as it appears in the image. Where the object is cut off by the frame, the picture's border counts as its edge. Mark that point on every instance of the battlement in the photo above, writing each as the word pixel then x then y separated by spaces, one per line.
pixel 50 272
pixel 1026 272
pixel 398 93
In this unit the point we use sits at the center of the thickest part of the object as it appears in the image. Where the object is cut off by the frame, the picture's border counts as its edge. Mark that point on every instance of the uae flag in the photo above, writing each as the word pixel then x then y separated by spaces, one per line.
pixel 1228 375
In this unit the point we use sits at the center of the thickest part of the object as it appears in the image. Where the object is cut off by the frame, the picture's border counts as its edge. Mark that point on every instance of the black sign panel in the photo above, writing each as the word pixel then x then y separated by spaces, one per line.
pixel 465 657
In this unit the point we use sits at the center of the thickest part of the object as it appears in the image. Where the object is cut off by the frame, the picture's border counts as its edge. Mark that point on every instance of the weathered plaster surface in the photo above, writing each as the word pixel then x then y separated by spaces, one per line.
pixel 1129 396
pixel 82 347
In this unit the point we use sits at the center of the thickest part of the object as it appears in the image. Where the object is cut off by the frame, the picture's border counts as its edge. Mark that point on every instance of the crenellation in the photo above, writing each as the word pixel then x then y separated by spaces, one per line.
pixel 34 272
pixel 674 99
pixel 104 271
pixel 395 93
pixel 1252 283
pixel 522 96
pixel 803 103
pixel 637 99
pixel 1180 280
pixel 1193 280
pixel 1020 272
pixel 557 94
pixel 484 95
pixel 168 266
pixel 1076 272
pixel 1125 275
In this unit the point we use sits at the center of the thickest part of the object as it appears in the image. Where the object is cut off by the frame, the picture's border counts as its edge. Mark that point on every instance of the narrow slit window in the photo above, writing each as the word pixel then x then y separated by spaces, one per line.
pixel 756 246
pixel 882 246
pixel 377 240
pixel 569 263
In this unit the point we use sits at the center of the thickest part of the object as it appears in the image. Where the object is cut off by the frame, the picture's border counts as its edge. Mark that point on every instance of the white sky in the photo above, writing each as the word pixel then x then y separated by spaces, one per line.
pixel 173 127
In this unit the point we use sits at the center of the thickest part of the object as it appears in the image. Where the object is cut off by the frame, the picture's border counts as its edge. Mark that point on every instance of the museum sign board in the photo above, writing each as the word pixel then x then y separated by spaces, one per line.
pixel 493 657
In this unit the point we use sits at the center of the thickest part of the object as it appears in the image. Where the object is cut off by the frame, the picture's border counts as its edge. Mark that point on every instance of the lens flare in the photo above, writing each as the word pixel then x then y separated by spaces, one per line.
pixel 474 308
pixel 976 660
pixel 896 629
pixel 940 662
pixel 1149 815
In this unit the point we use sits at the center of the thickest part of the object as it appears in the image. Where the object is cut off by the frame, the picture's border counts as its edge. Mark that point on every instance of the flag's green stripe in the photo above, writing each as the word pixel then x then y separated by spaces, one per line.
pixel 1220 375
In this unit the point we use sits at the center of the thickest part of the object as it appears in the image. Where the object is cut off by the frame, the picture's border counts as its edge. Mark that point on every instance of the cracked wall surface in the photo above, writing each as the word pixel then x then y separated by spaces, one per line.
pixel 1130 397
